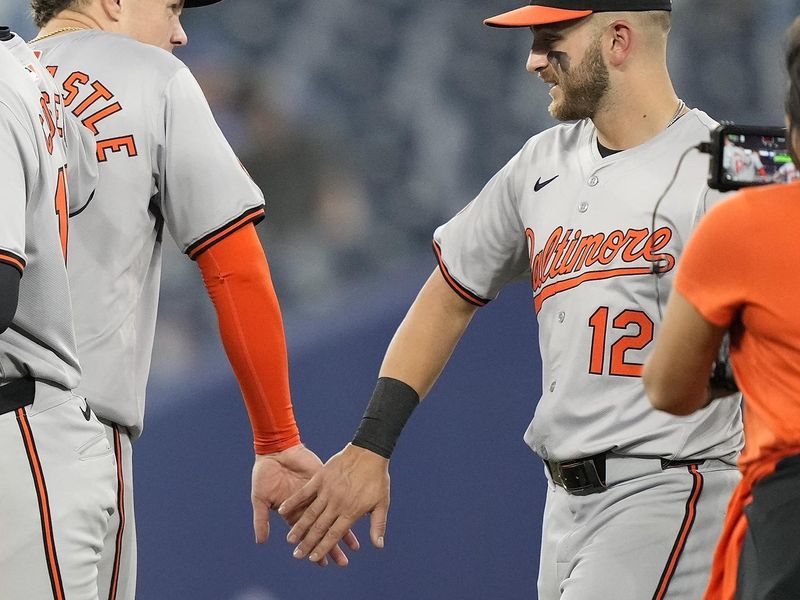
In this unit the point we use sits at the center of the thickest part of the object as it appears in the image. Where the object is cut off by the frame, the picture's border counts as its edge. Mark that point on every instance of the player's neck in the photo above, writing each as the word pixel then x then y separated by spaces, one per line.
pixel 633 116
pixel 70 20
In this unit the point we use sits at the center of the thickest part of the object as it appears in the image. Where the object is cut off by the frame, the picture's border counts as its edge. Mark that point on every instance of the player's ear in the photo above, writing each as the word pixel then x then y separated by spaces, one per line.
pixel 112 9
pixel 621 42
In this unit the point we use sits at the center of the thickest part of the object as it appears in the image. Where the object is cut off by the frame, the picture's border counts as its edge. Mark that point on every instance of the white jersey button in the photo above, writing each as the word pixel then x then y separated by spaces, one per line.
pixel 593 181
pixel 583 207
pixel 552 386
pixel 561 316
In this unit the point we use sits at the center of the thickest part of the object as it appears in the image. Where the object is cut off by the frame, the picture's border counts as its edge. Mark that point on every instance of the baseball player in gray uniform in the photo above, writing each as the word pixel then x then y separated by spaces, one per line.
pixel 163 162
pixel 635 499
pixel 56 466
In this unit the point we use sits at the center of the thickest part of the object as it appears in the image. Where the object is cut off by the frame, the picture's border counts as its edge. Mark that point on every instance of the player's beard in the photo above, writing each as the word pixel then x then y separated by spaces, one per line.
pixel 582 88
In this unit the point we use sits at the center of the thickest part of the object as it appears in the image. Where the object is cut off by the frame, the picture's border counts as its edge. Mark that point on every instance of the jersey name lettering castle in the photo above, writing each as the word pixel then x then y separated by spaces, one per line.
pixel 52 122
pixel 102 102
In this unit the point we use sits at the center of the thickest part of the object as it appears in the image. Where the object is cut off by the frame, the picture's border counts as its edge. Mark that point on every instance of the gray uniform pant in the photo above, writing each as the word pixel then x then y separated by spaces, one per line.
pixel 650 535
pixel 117 569
pixel 56 494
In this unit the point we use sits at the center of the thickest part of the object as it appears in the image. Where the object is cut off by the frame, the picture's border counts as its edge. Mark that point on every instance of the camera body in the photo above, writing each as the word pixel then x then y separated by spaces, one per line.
pixel 746 155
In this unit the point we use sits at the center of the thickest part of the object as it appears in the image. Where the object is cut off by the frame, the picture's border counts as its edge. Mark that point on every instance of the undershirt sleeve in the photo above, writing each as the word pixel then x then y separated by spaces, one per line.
pixel 9 294
pixel 238 280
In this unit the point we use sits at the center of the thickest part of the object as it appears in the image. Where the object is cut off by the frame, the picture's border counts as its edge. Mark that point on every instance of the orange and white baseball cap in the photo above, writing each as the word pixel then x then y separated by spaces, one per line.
pixel 544 12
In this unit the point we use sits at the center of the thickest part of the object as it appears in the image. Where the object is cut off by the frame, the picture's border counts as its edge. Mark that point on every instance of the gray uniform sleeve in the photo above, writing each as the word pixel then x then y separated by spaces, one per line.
pixel 16 152
pixel 484 246
pixel 206 192
pixel 82 168
pixel 708 198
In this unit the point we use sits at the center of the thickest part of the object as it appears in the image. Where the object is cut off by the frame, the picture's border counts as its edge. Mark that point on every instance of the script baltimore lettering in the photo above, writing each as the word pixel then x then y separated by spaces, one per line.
pixel 568 252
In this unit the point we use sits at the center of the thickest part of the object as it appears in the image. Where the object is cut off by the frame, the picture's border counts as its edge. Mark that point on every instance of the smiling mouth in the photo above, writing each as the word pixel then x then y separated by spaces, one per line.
pixel 550 82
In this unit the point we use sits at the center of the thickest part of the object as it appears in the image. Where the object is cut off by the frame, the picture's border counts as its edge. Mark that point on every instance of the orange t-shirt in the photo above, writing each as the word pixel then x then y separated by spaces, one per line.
pixel 741 270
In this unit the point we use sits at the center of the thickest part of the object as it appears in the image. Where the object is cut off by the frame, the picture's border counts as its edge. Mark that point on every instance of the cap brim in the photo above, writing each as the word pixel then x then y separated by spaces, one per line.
pixel 199 3
pixel 528 16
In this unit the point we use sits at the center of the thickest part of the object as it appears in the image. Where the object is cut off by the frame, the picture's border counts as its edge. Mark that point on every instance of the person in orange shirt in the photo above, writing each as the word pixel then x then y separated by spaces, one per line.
pixel 739 274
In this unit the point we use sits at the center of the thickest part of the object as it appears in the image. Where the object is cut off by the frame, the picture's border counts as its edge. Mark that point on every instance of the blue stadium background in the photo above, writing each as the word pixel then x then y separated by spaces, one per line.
pixel 367 123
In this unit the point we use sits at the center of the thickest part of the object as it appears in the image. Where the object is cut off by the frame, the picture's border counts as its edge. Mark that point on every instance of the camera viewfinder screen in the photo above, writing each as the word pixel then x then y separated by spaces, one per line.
pixel 752 159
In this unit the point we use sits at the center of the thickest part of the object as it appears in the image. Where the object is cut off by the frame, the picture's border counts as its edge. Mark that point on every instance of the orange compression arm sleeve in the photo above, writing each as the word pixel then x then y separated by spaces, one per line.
pixel 238 280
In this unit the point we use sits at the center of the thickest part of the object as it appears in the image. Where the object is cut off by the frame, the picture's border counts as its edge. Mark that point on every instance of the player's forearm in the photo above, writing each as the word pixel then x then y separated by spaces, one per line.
pixel 676 374
pixel 237 277
pixel 427 336
pixel 417 354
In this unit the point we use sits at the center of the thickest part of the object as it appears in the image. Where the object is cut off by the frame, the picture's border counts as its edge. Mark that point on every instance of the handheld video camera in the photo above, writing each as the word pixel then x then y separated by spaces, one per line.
pixel 743 156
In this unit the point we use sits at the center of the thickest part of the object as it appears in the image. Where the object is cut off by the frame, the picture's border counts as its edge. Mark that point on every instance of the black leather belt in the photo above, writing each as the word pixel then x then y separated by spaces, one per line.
pixel 580 477
pixel 18 393
pixel 587 475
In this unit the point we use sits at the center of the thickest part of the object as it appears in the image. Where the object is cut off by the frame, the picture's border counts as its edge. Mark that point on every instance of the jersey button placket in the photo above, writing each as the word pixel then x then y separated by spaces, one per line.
pixel 592 182
pixel 561 316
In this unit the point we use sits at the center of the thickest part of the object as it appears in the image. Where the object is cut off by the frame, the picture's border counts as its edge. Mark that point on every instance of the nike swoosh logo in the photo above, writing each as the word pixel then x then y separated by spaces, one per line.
pixel 87 412
pixel 540 184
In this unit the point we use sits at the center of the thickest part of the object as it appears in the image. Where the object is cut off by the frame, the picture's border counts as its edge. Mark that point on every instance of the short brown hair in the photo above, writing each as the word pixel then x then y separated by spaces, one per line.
pixel 44 10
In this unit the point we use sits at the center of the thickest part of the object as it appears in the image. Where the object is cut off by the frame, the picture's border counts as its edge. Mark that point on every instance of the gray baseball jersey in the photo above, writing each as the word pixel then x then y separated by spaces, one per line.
pixel 33 236
pixel 162 160
pixel 55 461
pixel 581 228
pixel 78 140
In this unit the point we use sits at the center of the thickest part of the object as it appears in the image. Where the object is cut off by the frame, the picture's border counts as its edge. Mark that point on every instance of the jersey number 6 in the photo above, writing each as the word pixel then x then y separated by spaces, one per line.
pixel 599 324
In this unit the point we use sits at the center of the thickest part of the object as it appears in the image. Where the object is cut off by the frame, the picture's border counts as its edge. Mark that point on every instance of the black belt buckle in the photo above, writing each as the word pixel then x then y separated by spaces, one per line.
pixel 17 394
pixel 579 477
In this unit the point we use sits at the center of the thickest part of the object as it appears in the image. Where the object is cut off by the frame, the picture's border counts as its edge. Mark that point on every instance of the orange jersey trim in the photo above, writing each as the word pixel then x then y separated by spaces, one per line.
pixel 238 280
pixel 12 259
pixel 112 592
pixel 44 505
pixel 451 281
pixel 683 534
pixel 253 215
pixel 573 282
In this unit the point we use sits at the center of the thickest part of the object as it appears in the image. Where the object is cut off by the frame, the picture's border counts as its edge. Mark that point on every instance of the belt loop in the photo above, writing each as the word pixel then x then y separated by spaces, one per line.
pixel 672 464
pixel 17 394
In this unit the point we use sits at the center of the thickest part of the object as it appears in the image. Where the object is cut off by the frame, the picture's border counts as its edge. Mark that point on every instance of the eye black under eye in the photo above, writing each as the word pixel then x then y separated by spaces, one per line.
pixel 542 45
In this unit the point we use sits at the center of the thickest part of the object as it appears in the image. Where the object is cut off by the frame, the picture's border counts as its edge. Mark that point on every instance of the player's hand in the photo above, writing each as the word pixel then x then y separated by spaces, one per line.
pixel 352 483
pixel 275 478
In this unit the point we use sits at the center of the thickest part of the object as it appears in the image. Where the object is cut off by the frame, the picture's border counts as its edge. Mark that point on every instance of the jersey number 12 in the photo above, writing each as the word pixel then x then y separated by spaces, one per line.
pixel 618 365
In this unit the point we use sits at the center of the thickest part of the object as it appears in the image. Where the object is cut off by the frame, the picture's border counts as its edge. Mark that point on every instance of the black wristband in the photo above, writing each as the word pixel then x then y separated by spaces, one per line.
pixel 389 409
